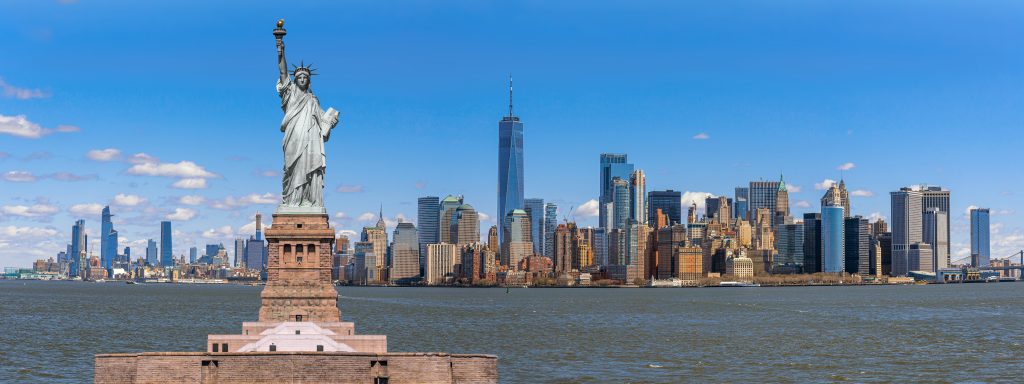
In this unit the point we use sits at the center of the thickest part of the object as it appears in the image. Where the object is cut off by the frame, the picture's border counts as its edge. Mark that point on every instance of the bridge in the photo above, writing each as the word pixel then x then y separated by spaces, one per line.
pixel 1019 266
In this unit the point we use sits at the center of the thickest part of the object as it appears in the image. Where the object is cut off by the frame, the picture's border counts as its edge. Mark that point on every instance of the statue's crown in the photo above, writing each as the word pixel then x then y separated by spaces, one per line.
pixel 303 68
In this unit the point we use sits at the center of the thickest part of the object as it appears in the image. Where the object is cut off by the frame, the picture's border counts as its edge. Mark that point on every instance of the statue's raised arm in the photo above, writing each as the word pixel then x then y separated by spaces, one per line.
pixel 282 65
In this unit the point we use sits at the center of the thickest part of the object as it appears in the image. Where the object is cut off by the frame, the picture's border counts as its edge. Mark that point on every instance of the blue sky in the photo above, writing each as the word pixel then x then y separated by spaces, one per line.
pixel 909 93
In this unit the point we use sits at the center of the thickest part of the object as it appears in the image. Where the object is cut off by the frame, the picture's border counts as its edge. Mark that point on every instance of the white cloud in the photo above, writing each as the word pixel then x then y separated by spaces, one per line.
pixel 11 91
pixel 589 209
pixel 793 188
pixel 802 204
pixel 20 126
pixel 20 233
pixel 19 177
pixel 483 216
pixel 342 216
pixel 846 166
pixel 35 210
pixel 250 229
pixel 191 200
pixel 701 136
pixel 128 200
pixel 142 158
pixel 231 202
pixel 875 216
pixel 824 185
pixel 350 188
pixel 862 193
pixel 86 209
pixel 68 128
pixel 421 184
pixel 182 169
pixel 190 184
pixel 367 216
pixel 219 233
pixel 690 198
pixel 967 211
pixel 108 154
pixel 68 176
pixel 181 214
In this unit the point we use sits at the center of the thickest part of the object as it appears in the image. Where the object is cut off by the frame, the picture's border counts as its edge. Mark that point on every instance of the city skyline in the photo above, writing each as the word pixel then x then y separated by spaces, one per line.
pixel 88 153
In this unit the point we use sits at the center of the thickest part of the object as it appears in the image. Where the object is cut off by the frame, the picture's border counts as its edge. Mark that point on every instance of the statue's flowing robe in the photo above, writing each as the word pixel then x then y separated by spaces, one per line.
pixel 304 135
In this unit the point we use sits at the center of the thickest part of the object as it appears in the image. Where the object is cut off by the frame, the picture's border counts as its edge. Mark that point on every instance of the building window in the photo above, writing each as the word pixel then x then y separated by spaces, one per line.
pixel 224 347
pixel 380 380
pixel 297 331
pixel 287 249
pixel 311 249
pixel 319 348
pixel 298 259
pixel 298 248
pixel 298 317
pixel 216 347
pixel 273 348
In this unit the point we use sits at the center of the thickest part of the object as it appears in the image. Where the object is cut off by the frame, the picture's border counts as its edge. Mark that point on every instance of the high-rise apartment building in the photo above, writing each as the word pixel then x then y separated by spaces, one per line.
pixel 906 227
pixel 166 247
pixel 613 165
pixel 510 164
pixel 936 233
pixel 535 209
pixel 442 263
pixel 670 203
pixel 428 211
pixel 858 245
pixel 980 253
pixel 620 203
pixel 405 254
pixel 550 223
pixel 833 241
pixel 637 194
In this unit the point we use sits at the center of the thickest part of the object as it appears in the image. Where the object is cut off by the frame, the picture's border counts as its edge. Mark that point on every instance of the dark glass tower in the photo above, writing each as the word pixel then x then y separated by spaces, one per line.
pixel 166 251
pixel 108 240
pixel 510 165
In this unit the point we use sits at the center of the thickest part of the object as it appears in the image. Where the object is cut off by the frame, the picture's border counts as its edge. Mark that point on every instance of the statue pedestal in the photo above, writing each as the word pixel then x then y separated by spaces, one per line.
pixel 299 286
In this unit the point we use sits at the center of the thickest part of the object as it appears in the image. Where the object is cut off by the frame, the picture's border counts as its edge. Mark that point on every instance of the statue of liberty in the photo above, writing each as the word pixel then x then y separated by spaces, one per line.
pixel 306 128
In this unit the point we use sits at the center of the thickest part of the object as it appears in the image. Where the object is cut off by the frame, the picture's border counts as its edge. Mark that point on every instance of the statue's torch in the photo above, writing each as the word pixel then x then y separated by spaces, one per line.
pixel 279 33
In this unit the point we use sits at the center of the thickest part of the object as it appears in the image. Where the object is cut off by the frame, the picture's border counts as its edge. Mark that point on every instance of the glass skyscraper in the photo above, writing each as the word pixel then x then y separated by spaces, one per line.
pixel 670 203
pixel 979 237
pixel 428 211
pixel 166 249
pixel 535 208
pixel 620 204
pixel 550 223
pixel 108 240
pixel 833 241
pixel 79 249
pixel 612 165
pixel 740 207
pixel 510 165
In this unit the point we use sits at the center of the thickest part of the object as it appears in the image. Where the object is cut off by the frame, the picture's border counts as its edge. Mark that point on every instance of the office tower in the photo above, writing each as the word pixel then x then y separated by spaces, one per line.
pixel 691 263
pixel 906 226
pixel 812 242
pixel 919 257
pixel 691 214
pixel 428 211
pixel 837 196
pixel 620 203
pixel 670 203
pixel 670 240
pixel 492 239
pixel 465 226
pixel 766 194
pixel 718 209
pixel 885 243
pixel 781 204
pixel 935 232
pixel 78 251
pixel 875 256
pixel 744 235
pixel 259 226
pixel 535 209
pixel 447 209
pixel 637 193
pixel 936 197
pixel 166 248
pixel 550 223
pixel 833 241
pixel 378 236
pixel 365 262
pixel 193 254
pixel 741 205
pixel 108 240
pixel 980 244
pixel 879 227
pixel 510 164
pixel 600 246
pixel 710 207
pixel 564 248
pixel 638 237
pixel 239 252
pixel 612 165
pixel 790 244
pixel 764 234
pixel 441 263
pixel 740 267
pixel 152 258
pixel 518 243
pixel 254 254
pixel 405 254
pixel 858 242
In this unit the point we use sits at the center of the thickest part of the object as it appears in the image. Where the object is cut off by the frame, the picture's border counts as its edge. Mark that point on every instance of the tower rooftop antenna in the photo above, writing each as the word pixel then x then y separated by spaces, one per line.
pixel 510 96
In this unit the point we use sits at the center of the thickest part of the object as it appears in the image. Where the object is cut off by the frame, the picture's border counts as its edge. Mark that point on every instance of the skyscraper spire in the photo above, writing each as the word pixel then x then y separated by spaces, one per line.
pixel 510 95
pixel 380 217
